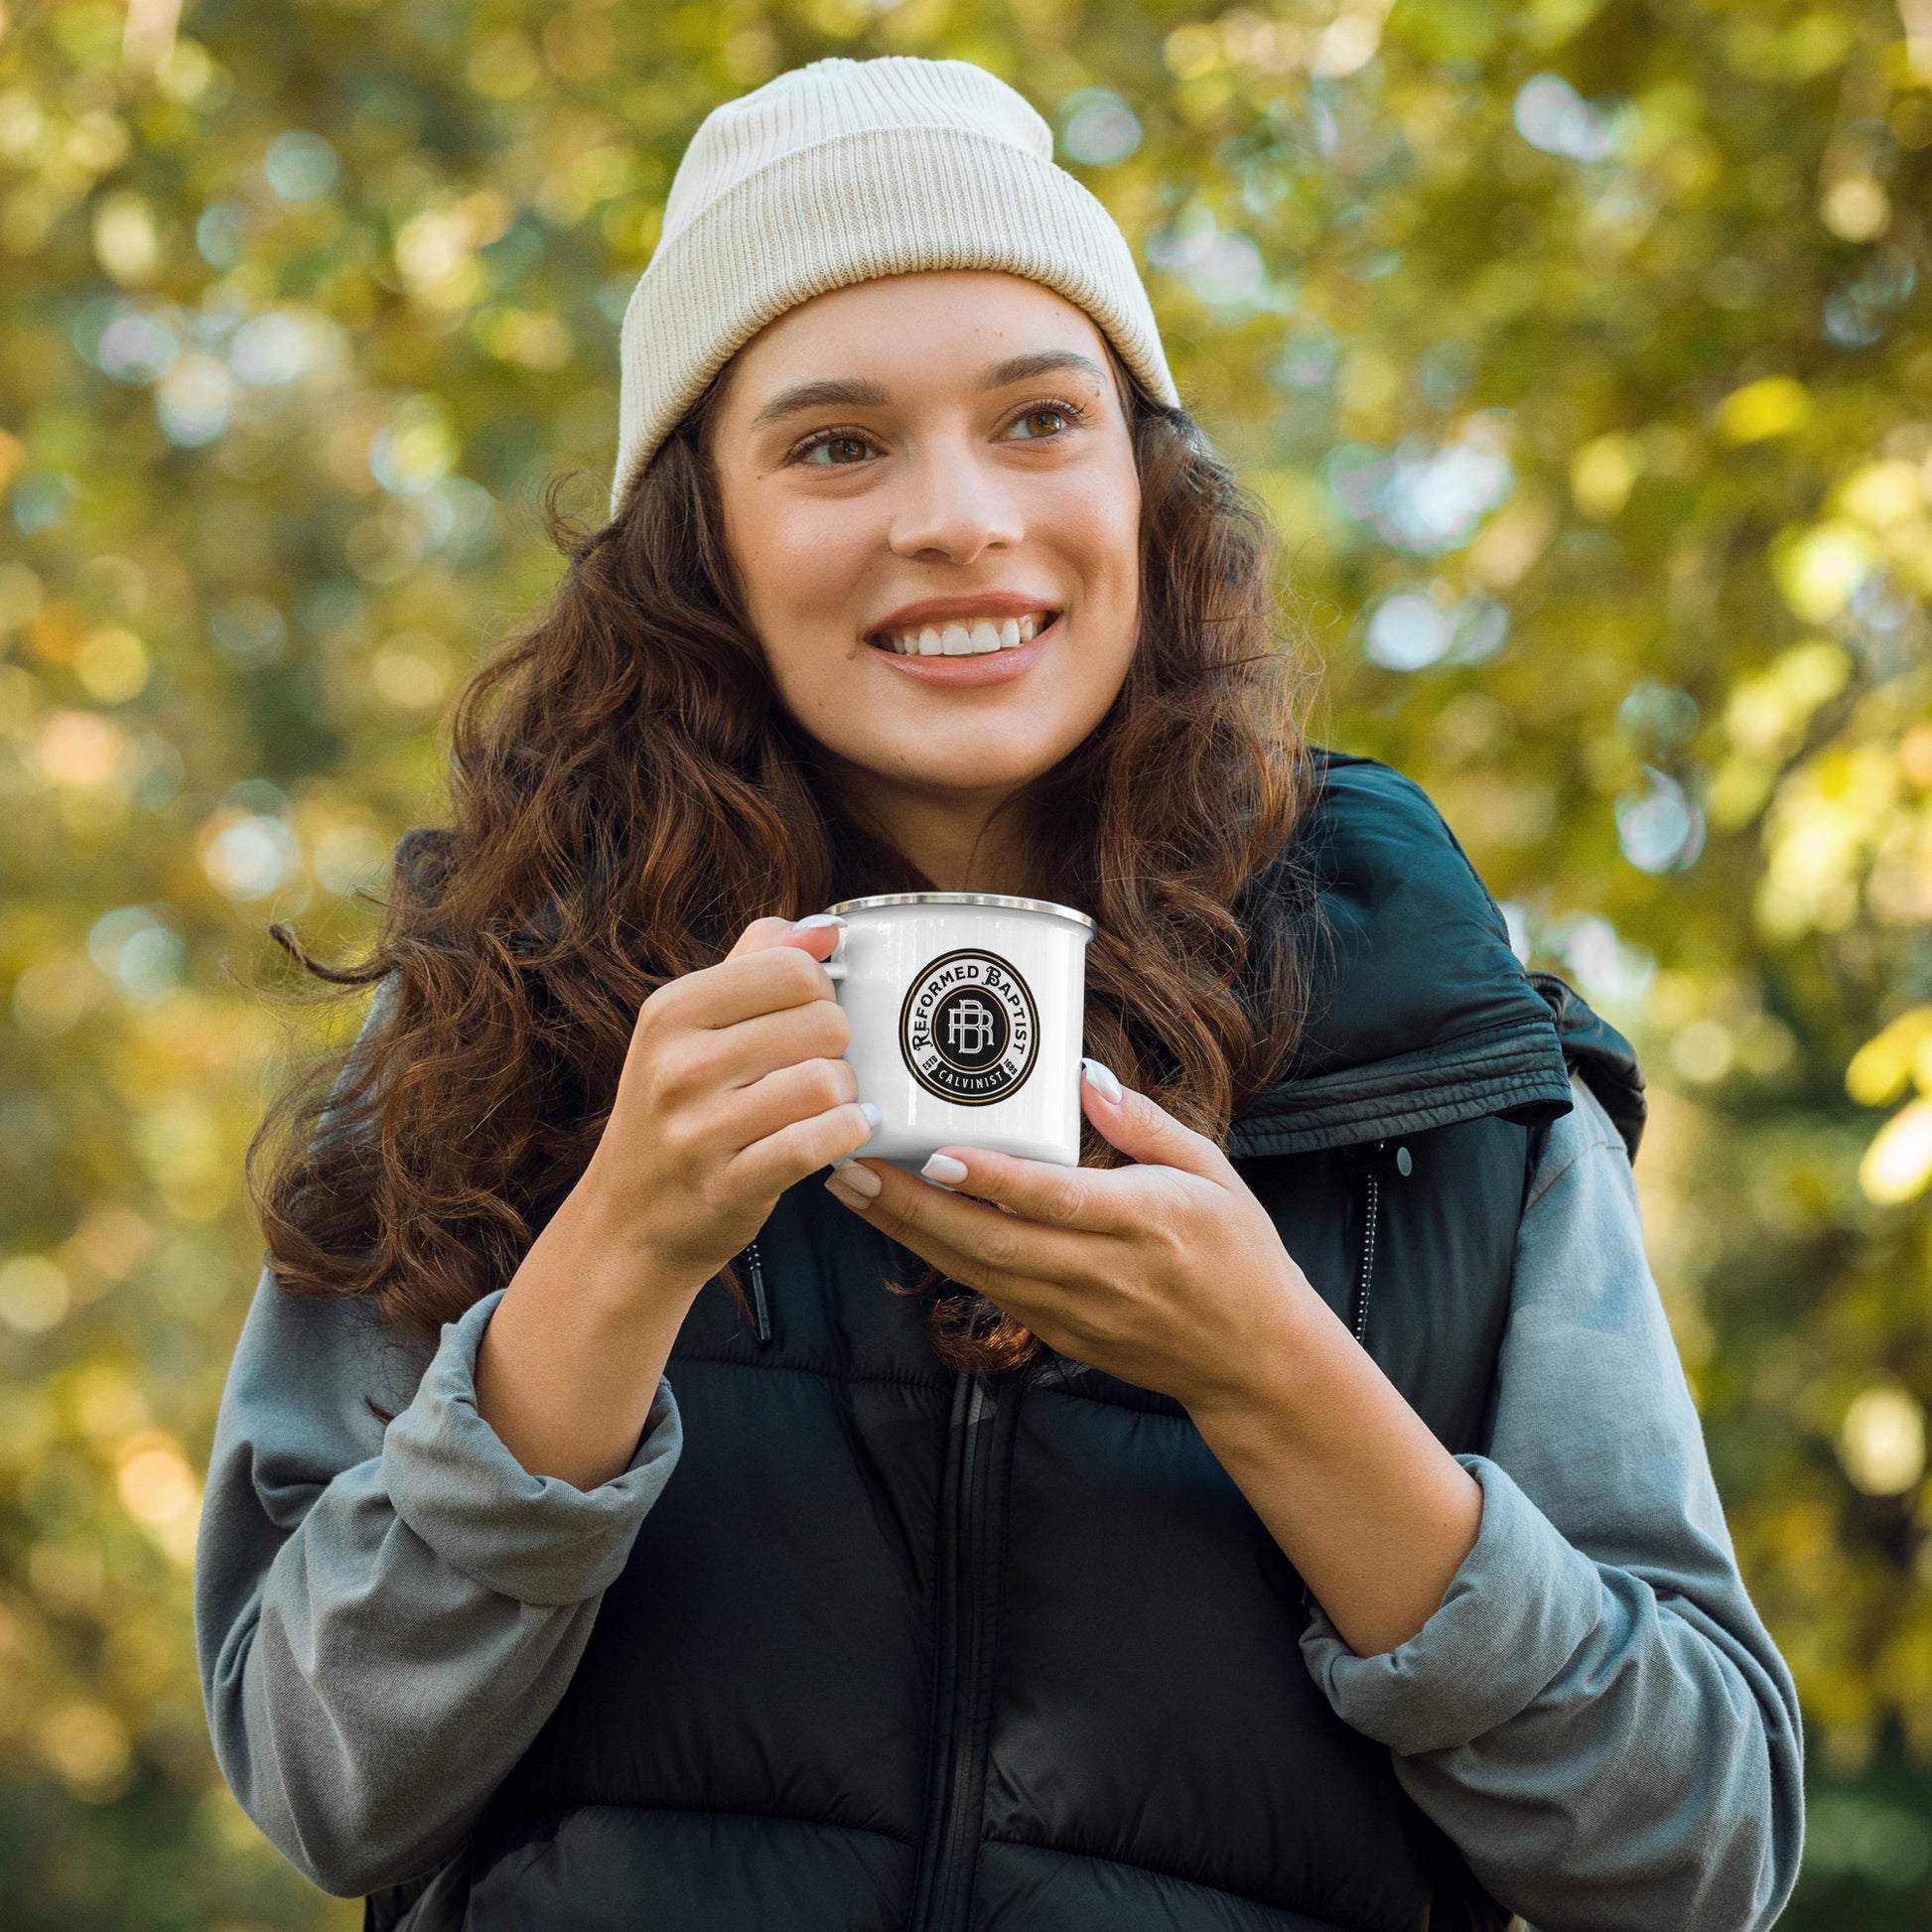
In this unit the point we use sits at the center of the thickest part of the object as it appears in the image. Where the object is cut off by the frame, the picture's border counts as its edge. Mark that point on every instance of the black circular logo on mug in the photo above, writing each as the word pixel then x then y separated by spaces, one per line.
pixel 968 1028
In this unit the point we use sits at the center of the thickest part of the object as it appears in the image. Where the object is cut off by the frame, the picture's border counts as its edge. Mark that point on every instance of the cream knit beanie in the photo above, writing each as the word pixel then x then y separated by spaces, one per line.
pixel 842 172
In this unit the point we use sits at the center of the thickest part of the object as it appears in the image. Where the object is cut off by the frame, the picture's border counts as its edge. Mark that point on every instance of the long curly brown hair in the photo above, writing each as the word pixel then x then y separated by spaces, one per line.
pixel 627 794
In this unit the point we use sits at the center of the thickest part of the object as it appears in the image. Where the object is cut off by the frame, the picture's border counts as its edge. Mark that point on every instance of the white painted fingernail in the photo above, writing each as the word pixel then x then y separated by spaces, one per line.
pixel 858 1181
pixel 1102 1080
pixel 874 1118
pixel 943 1169
pixel 813 920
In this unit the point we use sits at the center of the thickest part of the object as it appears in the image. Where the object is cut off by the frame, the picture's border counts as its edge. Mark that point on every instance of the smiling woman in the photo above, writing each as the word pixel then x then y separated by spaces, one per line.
pixel 885 524
pixel 1290 1520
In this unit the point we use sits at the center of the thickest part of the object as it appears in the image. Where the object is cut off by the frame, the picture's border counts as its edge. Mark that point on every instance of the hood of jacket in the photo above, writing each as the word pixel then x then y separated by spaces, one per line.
pixel 1420 1015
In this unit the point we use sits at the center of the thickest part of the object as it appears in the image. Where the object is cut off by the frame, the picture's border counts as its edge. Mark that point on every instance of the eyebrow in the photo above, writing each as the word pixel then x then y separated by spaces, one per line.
pixel 858 393
pixel 1046 361
pixel 821 395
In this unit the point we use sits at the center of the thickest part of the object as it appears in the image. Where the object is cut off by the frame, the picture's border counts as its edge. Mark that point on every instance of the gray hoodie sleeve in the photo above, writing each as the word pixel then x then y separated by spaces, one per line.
pixel 386 1615
pixel 1595 1715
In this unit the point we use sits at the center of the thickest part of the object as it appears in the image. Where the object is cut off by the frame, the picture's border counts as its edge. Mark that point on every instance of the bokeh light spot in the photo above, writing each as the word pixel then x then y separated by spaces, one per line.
pixel 250 855
pixel 1899 1163
pixel 1549 114
pixel 34 1293
pixel 1098 127
pixel 299 166
pixel 113 665
pixel 415 449
pixel 1657 827
pixel 1881 1442
pixel 193 400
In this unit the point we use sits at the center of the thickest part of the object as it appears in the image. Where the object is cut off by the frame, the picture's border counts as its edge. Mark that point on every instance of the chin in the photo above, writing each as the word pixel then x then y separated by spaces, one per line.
pixel 979 761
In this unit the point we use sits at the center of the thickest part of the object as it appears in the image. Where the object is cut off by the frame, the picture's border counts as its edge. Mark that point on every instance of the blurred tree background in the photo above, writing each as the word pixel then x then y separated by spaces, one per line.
pixel 1582 351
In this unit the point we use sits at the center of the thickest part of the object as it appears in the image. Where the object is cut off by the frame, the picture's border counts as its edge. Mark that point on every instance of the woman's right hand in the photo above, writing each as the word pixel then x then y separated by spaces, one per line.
pixel 731 1091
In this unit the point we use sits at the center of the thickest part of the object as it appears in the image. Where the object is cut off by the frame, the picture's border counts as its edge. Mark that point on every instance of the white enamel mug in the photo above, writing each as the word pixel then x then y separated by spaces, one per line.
pixel 966 1012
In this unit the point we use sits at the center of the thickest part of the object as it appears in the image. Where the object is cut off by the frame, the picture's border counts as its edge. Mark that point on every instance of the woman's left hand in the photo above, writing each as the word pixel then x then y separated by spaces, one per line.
pixel 1167 1274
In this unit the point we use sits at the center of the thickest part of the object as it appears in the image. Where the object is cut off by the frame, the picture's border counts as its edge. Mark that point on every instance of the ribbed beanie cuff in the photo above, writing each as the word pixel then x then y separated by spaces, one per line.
pixel 844 172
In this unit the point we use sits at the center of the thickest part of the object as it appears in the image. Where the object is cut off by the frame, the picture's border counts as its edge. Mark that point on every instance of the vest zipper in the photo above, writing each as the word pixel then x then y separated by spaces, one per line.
pixel 942 1899
pixel 1365 1275
pixel 1374 1163
pixel 755 1267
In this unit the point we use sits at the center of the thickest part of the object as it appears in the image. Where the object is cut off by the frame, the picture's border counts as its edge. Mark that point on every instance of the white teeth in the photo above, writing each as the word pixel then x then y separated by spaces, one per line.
pixel 978 640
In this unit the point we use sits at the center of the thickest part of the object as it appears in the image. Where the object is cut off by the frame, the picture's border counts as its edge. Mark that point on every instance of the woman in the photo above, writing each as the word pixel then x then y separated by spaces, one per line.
pixel 1294 1518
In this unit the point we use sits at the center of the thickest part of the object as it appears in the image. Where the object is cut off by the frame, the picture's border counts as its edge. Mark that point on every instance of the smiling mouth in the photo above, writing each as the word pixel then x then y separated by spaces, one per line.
pixel 980 638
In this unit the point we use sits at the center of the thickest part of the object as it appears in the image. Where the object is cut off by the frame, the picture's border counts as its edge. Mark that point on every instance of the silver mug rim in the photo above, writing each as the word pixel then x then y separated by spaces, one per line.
pixel 1000 900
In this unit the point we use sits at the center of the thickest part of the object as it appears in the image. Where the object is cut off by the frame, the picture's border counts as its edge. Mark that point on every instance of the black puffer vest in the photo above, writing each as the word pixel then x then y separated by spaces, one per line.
pixel 900 1651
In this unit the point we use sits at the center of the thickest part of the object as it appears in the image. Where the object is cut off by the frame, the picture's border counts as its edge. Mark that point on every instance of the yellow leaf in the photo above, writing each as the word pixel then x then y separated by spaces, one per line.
pixel 1882 1066
pixel 1602 473
pixel 1772 406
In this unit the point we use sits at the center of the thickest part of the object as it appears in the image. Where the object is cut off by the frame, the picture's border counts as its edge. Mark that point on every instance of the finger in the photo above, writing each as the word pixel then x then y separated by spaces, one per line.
pixel 785 1096
pixel 1145 1132
pixel 1096 1200
pixel 757 936
pixel 766 981
pixel 1028 1298
pixel 737 1055
pixel 976 1234
pixel 816 934
pixel 780 1159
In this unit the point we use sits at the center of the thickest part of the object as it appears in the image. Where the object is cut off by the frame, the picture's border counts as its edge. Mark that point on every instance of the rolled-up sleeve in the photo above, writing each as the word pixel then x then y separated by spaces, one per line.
pixel 386 1615
pixel 1596 1714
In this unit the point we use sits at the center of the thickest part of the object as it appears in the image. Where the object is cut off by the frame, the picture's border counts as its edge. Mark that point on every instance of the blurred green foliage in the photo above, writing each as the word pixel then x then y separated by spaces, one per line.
pixel 1582 351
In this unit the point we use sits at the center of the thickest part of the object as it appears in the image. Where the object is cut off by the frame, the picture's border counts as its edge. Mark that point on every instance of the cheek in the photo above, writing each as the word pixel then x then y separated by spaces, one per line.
pixel 795 557
pixel 1102 534
pixel 803 569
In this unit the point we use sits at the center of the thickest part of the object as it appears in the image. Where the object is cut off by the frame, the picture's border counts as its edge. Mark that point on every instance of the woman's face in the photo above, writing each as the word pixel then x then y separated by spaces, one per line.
pixel 930 493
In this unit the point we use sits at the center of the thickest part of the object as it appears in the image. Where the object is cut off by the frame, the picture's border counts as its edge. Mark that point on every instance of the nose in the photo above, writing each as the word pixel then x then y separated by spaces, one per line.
pixel 955 507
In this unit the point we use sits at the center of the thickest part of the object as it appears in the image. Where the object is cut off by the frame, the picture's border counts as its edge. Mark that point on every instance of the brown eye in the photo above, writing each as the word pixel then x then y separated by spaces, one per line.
pixel 1037 424
pixel 836 451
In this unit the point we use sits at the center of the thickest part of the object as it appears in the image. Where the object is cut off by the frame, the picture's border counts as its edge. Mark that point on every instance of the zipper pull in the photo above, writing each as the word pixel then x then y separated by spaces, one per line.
pixel 1377 1161
pixel 755 1267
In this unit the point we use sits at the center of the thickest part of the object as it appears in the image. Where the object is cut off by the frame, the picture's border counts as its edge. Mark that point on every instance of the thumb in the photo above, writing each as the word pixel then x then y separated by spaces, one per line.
pixel 1144 1131
pixel 817 935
